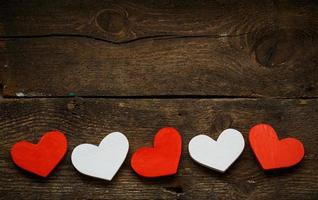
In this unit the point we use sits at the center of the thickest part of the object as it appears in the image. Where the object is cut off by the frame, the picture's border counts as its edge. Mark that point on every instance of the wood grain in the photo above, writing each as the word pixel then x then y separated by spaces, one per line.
pixel 120 21
pixel 197 66
pixel 122 48
pixel 241 62
pixel 89 120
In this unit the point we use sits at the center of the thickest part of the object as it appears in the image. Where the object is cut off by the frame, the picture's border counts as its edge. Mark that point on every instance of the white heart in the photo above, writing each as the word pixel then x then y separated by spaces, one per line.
pixel 101 161
pixel 218 155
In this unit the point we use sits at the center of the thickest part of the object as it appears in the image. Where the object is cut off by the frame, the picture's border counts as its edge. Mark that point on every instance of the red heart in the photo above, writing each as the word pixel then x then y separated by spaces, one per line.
pixel 40 158
pixel 161 160
pixel 271 152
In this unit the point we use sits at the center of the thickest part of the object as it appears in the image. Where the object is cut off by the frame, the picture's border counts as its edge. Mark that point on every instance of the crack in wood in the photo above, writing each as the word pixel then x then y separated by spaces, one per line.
pixel 150 37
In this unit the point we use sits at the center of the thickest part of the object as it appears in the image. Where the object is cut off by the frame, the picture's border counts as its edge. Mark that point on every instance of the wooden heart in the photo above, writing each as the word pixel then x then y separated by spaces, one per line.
pixel 43 157
pixel 271 152
pixel 163 158
pixel 101 161
pixel 217 155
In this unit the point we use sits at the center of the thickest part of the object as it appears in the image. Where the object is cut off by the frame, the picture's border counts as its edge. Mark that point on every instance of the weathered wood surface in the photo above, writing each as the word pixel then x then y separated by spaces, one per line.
pixel 120 21
pixel 137 48
pixel 141 51
pixel 89 120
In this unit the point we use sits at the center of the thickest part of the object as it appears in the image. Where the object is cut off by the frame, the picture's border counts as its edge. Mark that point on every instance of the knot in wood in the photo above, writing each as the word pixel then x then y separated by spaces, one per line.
pixel 113 22
pixel 280 48
pixel 272 50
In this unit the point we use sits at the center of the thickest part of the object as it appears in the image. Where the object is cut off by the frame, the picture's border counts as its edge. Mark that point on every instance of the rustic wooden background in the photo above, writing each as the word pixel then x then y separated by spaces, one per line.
pixel 88 68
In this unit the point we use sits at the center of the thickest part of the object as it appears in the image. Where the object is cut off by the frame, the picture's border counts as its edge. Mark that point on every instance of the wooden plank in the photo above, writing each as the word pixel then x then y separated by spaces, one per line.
pixel 120 48
pixel 183 66
pixel 120 21
pixel 89 120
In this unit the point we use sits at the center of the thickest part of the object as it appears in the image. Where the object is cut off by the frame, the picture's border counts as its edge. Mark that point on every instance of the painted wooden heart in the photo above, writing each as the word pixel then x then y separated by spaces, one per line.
pixel 43 157
pixel 101 161
pixel 163 158
pixel 271 152
pixel 217 155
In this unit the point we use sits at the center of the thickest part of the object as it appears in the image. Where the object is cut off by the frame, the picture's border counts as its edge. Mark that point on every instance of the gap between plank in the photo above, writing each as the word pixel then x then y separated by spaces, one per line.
pixel 222 97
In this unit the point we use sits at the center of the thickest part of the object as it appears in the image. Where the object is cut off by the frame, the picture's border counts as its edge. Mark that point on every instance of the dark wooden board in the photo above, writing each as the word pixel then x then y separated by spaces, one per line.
pixel 90 119
pixel 242 62
pixel 138 48
pixel 196 66
pixel 120 21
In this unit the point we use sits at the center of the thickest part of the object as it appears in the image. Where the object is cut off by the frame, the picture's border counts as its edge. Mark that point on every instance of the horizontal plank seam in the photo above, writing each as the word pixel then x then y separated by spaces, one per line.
pixel 223 97
pixel 151 37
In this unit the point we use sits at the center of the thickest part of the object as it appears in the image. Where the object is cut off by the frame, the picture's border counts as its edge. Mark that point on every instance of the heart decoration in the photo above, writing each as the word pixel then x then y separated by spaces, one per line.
pixel 271 152
pixel 217 155
pixel 101 161
pixel 43 157
pixel 163 158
